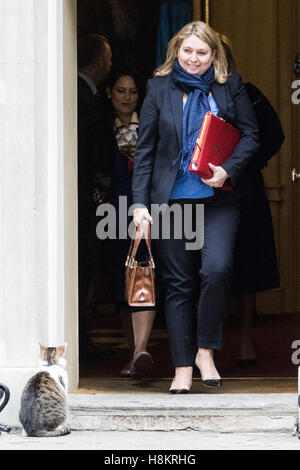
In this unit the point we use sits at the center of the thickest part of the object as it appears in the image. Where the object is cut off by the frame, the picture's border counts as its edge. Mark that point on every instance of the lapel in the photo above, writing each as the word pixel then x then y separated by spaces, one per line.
pixel 219 93
pixel 223 98
pixel 177 105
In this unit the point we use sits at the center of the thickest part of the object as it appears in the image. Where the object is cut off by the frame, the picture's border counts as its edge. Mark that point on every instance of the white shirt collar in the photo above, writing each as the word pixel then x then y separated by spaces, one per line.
pixel 90 83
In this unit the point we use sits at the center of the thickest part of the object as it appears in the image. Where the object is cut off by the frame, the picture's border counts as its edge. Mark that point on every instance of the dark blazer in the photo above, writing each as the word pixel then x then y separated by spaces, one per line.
pixel 160 138
pixel 96 140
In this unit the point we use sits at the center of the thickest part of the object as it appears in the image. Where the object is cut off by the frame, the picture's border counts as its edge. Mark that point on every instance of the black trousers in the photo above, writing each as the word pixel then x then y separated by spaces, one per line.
pixel 197 282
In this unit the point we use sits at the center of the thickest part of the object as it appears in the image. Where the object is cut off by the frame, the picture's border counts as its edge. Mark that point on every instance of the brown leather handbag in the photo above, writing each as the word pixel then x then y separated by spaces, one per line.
pixel 140 276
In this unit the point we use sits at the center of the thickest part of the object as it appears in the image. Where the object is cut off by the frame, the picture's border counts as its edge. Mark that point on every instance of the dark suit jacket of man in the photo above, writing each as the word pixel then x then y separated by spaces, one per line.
pixel 96 143
pixel 160 138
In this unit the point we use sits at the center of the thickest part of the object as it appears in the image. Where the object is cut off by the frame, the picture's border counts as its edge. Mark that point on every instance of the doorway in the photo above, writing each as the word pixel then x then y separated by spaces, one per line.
pixel 132 28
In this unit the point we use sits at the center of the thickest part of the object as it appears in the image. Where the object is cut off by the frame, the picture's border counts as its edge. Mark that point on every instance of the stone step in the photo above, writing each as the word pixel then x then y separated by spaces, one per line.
pixel 230 412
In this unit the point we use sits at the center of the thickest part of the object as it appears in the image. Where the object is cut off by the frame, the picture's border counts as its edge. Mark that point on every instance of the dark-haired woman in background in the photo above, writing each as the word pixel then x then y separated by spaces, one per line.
pixel 123 89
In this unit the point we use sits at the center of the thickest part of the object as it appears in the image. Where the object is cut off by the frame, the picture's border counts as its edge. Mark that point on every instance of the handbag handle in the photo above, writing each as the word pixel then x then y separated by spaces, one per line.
pixel 135 244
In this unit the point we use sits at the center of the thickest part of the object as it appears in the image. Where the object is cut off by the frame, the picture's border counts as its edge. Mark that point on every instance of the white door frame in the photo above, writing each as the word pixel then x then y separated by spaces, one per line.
pixel 62 181
pixel 69 48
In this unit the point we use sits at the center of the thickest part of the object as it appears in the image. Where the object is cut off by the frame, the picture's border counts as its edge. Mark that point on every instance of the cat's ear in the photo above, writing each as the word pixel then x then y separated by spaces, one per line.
pixel 42 348
pixel 62 349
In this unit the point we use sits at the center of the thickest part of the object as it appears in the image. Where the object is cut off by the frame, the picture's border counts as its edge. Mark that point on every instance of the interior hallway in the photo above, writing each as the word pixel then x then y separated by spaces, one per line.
pixel 273 336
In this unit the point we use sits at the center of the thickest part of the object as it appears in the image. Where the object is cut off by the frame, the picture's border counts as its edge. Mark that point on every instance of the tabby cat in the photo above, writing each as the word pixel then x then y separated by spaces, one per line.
pixel 43 410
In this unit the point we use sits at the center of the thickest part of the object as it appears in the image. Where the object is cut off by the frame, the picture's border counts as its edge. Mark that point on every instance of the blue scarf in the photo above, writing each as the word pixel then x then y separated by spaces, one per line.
pixel 197 87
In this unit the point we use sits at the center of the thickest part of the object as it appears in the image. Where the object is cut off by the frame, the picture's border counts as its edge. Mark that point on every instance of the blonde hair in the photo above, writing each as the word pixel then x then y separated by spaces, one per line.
pixel 227 46
pixel 207 35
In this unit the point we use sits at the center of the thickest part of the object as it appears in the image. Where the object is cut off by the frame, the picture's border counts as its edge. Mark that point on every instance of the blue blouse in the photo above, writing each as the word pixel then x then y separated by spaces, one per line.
pixel 189 185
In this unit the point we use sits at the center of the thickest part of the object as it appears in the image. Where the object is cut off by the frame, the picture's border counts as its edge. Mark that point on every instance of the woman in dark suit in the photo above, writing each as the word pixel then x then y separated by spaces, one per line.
pixel 193 81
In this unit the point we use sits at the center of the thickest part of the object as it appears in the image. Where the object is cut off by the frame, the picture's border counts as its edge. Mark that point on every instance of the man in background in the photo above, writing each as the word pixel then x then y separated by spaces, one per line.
pixel 95 161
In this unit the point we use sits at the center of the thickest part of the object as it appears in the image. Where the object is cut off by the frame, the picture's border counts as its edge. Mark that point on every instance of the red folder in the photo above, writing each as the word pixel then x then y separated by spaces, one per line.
pixel 216 141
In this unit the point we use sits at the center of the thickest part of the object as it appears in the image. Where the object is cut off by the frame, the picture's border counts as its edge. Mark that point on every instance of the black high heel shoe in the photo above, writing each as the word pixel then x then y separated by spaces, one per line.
pixel 180 391
pixel 213 382
pixel 139 367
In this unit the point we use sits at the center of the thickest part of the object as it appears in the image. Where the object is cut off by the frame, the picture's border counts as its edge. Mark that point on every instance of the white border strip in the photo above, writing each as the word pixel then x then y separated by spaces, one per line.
pixel 55 174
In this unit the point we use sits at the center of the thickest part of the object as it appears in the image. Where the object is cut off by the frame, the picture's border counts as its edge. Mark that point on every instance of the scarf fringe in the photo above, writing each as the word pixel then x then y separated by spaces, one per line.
pixel 186 154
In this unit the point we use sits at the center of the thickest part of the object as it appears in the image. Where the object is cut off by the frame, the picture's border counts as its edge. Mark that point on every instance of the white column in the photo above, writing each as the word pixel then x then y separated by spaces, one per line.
pixel 32 201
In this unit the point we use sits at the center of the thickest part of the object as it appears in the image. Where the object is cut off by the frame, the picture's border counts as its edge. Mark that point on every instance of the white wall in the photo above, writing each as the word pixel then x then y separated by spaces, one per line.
pixel 33 202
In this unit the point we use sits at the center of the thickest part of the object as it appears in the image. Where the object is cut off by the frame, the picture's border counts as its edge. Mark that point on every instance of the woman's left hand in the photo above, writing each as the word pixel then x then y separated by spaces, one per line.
pixel 219 176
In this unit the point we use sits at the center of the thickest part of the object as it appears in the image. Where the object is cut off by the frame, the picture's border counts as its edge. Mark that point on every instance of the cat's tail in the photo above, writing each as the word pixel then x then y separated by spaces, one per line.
pixel 61 430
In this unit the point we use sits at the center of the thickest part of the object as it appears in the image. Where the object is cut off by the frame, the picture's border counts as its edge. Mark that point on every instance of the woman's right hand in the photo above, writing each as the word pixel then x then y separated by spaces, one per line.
pixel 139 214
